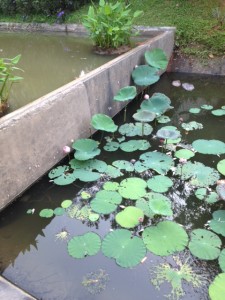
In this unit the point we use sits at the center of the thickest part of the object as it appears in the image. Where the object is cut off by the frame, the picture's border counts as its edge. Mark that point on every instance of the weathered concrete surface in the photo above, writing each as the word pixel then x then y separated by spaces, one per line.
pixel 8 291
pixel 32 137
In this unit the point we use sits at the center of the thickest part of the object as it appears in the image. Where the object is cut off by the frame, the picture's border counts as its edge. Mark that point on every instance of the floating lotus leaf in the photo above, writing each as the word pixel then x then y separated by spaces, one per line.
pixel 111 146
pixel 66 203
pixel 209 197
pixel 172 140
pixel 46 213
pixel 59 211
pixel 206 107
pixel 105 202
pixel 84 245
pixel 113 172
pixel 61 175
pixel 163 119
pixel 79 212
pixel 165 238
pixel 221 166
pixel 103 122
pixel 198 173
pixel 127 250
pixel 86 176
pixel 123 165
pixel 89 165
pixel 191 126
pixel 204 244
pixel 217 288
pixel 158 104
pixel 209 146
pixel 159 204
pixel 144 116
pixel 168 134
pixel 157 161
pixel 221 191
pixel 184 153
pixel 218 221
pixel 130 217
pixel 194 110
pixel 160 183
pixel 132 188
pixel 144 206
pixel 111 186
pixel 85 195
pixel 218 112
pixel 93 217
pixel 58 171
pixel 82 155
pixel 156 58
pixel 140 167
pixel 126 93
pixel 222 260
pixel 130 129
pixel 134 145
pixel 144 75
pixel 85 149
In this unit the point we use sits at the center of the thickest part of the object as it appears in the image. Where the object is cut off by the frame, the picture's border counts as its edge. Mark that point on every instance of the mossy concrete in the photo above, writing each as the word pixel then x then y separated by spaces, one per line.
pixel 32 138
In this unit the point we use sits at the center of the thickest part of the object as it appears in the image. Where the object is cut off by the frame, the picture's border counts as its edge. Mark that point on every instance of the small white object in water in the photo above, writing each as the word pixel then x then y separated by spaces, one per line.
pixel 188 86
pixel 66 149
pixel 176 83
pixel 146 96
pixel 82 73
pixel 144 259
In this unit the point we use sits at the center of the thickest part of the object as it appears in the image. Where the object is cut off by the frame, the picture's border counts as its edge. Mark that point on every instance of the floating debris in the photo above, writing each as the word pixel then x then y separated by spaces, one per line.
pixel 188 86
pixel 95 282
pixel 176 83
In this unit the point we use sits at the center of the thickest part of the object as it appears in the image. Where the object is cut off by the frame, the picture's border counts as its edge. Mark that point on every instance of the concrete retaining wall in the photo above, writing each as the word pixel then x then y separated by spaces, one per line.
pixel 32 137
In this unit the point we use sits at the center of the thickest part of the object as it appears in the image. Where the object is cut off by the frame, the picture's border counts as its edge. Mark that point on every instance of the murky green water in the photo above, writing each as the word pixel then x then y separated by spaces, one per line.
pixel 31 257
pixel 49 60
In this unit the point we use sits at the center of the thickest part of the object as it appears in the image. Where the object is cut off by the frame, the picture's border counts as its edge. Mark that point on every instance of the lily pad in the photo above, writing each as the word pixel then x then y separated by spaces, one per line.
pixel 221 166
pixel 86 176
pixel 165 238
pixel 59 211
pixel 113 172
pixel 217 288
pixel 194 110
pixel 160 183
pixel 159 204
pixel 85 149
pixel 103 122
pixel 126 93
pixel 158 104
pixel 217 224
pixel 137 129
pixel 209 146
pixel 127 250
pixel 62 175
pixel 191 126
pixel 134 145
pixel 105 202
pixel 204 194
pixel 163 119
pixel 84 245
pixel 156 58
pixel 88 165
pixel 46 213
pixel 66 203
pixel 144 116
pixel 144 206
pixel 157 161
pixel 145 75
pixel 123 165
pixel 111 186
pixel 130 217
pixel 222 260
pixel 204 244
pixel 93 217
pixel 85 195
pixel 184 153
pixel 111 146
pixel 168 134
pixel 218 112
pixel 132 188
pixel 206 107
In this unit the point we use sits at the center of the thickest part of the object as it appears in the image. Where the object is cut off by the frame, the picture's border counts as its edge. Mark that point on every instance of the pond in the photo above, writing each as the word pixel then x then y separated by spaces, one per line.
pixel 49 61
pixel 34 252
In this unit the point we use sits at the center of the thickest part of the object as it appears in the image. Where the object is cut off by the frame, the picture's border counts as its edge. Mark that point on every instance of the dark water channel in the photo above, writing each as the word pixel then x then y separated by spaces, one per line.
pixel 49 61
pixel 32 257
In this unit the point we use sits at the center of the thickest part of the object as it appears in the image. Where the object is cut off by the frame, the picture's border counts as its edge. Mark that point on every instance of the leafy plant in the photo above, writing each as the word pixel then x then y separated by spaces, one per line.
pixel 103 122
pixel 217 287
pixel 130 217
pixel 110 24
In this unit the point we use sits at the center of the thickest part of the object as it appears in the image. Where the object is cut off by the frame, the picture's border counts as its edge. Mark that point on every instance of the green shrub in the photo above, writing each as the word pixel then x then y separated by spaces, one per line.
pixel 110 25
pixel 8 7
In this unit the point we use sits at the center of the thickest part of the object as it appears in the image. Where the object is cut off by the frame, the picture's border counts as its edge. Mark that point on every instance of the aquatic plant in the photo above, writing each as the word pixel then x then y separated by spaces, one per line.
pixel 95 282
pixel 63 235
pixel 217 287
pixel 103 122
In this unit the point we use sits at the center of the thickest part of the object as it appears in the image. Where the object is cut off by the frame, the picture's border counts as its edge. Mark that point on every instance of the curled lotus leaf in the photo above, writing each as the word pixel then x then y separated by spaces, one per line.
pixel 165 238
pixel 126 93
pixel 135 129
pixel 88 165
pixel 159 183
pixel 130 217
pixel 198 174
pixel 184 153
pixel 84 245
pixel 193 125
pixel 134 145
pixel 144 116
pixel 132 188
pixel 172 140
pixel 207 196
pixel 157 161
pixel 127 250
pixel 221 166
pixel 156 58
pixel 204 244
pixel 145 75
pixel 218 222
pixel 217 287
pixel 209 146
pixel 218 112
pixel 206 107
pixel 105 202
pixel 123 165
pixel 194 110
pixel 221 190
pixel 103 122
pixel 222 260
pixel 158 104
pixel 168 134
